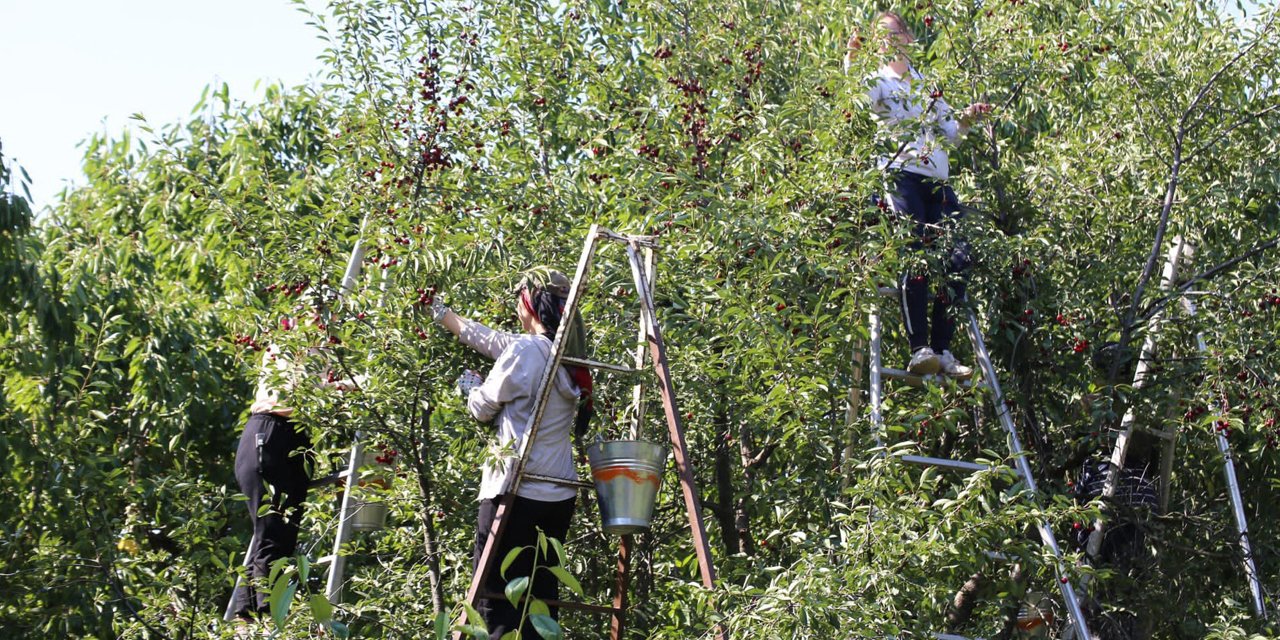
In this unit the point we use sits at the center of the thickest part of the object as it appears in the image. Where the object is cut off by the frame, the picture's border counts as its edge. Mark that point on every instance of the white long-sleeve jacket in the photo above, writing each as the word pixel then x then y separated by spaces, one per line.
pixel 508 395
pixel 899 107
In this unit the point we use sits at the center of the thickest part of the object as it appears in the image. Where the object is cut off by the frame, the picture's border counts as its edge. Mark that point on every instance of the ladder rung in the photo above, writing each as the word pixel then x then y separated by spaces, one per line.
pixel 887 291
pixel 323 560
pixel 959 465
pixel 1163 434
pixel 917 380
pixel 560 481
pixel 561 604
pixel 593 364
pixel 332 478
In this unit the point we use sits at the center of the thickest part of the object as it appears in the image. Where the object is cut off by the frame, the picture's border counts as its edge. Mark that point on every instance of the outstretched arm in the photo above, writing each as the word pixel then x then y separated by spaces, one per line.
pixel 489 342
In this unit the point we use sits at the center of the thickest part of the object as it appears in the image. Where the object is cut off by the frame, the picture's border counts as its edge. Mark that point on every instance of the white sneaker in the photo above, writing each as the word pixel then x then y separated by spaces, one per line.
pixel 924 362
pixel 952 367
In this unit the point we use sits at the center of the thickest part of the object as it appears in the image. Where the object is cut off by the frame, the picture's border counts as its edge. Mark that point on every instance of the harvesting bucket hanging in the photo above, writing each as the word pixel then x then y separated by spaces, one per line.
pixel 369 512
pixel 627 474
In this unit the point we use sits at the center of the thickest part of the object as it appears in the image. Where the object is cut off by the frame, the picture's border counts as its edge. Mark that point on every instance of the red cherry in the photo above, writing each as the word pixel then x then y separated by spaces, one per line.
pixel 780 306
pixel 928 21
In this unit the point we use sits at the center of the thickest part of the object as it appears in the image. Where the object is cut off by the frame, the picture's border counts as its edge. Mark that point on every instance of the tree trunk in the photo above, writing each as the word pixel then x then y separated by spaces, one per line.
pixel 724 481
pixel 427 514
pixel 966 599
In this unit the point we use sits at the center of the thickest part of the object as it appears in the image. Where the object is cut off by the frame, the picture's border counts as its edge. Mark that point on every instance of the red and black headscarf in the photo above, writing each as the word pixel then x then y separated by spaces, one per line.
pixel 544 293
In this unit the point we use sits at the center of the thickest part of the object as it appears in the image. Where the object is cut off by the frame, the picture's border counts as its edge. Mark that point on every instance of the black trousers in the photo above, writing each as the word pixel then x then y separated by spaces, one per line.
pixel 270 470
pixel 524 520
pixel 930 204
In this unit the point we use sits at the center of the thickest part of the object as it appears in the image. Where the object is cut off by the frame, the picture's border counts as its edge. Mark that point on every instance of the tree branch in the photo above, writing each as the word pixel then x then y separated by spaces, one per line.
pixel 1181 289
pixel 1235 125
pixel 1217 75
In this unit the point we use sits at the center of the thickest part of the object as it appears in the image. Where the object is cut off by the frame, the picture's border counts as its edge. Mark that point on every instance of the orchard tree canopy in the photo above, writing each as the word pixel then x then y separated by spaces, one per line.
pixel 464 141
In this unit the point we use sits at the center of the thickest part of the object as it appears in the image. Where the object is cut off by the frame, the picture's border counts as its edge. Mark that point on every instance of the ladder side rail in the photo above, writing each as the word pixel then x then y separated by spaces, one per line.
pixel 486 560
pixel 1237 501
pixel 1024 469
pixel 230 613
pixel 877 391
pixel 618 621
pixel 547 380
pixel 675 428
pixel 337 567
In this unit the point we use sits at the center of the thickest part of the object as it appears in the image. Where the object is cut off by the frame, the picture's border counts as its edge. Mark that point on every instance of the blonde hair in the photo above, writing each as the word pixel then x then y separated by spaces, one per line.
pixel 896 17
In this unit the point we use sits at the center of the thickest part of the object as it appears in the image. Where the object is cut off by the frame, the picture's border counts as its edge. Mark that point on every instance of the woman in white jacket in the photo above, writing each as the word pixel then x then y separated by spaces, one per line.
pixel 508 394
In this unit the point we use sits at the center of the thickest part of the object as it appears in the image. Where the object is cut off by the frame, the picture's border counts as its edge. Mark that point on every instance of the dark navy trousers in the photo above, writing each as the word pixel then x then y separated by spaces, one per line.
pixel 932 205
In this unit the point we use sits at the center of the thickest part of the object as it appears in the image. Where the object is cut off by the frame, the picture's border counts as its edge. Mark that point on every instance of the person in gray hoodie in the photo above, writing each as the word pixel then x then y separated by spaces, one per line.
pixel 507 394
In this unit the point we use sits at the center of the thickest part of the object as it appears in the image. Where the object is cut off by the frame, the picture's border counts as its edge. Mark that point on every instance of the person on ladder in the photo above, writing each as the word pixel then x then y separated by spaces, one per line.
pixel 508 394
pixel 901 102
pixel 270 467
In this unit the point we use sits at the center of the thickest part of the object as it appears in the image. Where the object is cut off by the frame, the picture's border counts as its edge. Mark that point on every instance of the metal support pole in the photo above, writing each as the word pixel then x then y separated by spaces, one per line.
pixel 877 418
pixel 1024 469
pixel 1237 501
pixel 338 563
pixel 642 342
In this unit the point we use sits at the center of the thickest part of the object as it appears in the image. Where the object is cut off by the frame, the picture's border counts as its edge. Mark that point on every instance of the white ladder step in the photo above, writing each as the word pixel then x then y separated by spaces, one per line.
pixel 323 560
pixel 958 465
pixel 332 478
pixel 917 380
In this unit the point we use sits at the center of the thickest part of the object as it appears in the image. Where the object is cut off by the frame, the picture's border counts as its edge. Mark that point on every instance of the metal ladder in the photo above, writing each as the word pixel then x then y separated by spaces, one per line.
pixel 989 380
pixel 650 343
pixel 336 561
pixel 1180 252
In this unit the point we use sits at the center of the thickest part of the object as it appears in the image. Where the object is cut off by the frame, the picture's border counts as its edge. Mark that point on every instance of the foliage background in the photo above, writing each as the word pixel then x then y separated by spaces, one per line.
pixel 466 141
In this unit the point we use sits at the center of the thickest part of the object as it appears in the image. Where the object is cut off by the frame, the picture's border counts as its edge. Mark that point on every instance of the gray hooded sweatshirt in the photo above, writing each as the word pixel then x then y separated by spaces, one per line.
pixel 508 394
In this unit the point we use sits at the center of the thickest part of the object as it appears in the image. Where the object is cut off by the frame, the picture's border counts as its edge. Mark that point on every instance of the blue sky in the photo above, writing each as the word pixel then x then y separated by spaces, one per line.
pixel 76 67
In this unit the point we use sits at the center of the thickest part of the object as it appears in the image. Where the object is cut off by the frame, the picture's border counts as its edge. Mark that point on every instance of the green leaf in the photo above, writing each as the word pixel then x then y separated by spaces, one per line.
pixel 472 615
pixel 475 631
pixel 321 608
pixel 567 579
pixel 560 554
pixel 281 599
pixel 339 629
pixel 516 588
pixel 511 557
pixel 442 626
pixel 546 626
pixel 539 607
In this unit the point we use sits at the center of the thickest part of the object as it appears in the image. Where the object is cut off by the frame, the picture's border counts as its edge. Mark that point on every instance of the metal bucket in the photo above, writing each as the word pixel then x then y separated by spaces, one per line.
pixel 369 513
pixel 627 474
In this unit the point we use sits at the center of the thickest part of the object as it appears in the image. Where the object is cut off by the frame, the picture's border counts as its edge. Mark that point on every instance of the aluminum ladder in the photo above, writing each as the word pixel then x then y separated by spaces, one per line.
pixel 1180 252
pixel 878 372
